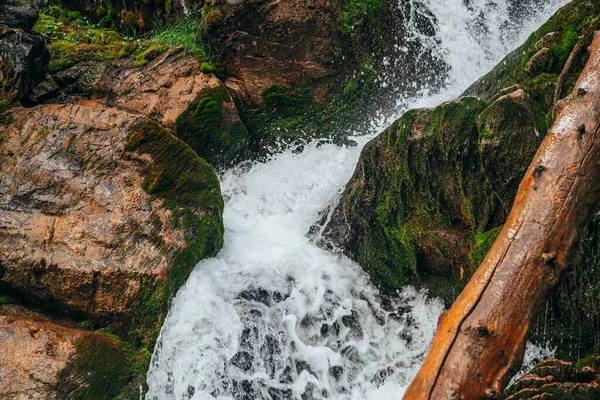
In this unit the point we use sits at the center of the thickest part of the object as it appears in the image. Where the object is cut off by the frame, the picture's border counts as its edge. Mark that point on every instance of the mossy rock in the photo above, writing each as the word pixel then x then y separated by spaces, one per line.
pixel 558 35
pixel 431 193
pixel 189 187
pixel 211 127
pixel 99 370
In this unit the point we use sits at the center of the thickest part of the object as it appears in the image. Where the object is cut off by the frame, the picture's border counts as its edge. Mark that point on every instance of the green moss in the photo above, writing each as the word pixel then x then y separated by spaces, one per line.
pixel 423 194
pixel 72 39
pixel 483 243
pixel 6 299
pixel 148 55
pixel 212 16
pixel 360 12
pixel 577 18
pixel 6 105
pixel 201 126
pixel 99 370
pixel 207 68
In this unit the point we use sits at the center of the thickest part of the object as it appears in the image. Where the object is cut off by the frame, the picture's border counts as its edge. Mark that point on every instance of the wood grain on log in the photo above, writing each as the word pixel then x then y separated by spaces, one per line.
pixel 480 341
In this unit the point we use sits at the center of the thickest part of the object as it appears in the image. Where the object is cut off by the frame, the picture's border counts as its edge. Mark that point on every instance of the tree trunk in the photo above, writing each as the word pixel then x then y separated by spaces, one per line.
pixel 480 341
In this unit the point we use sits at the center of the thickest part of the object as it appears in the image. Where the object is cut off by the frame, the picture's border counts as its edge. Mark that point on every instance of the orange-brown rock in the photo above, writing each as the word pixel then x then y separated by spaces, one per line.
pixel 77 230
pixel 33 350
pixel 163 89
pixel 556 379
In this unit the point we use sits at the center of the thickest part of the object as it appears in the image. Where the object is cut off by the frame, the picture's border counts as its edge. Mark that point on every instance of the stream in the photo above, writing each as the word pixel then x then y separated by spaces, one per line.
pixel 274 316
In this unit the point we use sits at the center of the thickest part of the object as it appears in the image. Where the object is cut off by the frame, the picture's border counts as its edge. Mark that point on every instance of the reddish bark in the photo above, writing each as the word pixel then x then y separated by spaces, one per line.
pixel 480 341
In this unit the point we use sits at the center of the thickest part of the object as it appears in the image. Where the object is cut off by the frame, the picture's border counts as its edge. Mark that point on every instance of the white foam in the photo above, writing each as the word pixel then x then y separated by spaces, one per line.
pixel 275 317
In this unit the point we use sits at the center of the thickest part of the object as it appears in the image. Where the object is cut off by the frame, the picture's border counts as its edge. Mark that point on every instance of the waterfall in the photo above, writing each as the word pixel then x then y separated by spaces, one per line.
pixel 273 316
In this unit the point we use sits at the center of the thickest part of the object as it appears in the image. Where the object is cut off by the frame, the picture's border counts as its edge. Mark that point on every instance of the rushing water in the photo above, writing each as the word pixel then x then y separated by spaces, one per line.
pixel 273 316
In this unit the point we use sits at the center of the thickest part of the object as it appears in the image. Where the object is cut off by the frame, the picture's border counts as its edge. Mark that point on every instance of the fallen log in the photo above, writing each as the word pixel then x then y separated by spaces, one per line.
pixel 480 342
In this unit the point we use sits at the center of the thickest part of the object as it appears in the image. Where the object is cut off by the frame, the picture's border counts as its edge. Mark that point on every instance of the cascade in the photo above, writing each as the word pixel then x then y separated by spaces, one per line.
pixel 274 316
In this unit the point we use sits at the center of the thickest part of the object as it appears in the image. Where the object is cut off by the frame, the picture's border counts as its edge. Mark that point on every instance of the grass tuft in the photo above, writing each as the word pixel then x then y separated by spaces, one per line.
pixel 187 33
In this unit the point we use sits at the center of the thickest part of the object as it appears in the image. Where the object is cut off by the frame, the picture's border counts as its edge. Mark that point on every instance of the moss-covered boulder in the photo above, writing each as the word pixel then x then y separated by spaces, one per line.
pixel 212 127
pixel 425 194
pixel 430 194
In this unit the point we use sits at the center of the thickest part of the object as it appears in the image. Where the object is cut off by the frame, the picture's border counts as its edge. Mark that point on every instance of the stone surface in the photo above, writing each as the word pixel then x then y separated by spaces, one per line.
pixel 33 351
pixel 282 43
pixel 76 228
pixel 24 59
pixel 163 89
pixel 18 15
pixel 430 194
pixel 176 92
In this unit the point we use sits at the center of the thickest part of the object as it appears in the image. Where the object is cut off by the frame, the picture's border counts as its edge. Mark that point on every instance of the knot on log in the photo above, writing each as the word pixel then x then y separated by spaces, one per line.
pixel 482 330
pixel 492 393
pixel 537 171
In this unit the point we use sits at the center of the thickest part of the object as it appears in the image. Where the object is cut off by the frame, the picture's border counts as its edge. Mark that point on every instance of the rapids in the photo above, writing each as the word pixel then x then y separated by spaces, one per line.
pixel 274 316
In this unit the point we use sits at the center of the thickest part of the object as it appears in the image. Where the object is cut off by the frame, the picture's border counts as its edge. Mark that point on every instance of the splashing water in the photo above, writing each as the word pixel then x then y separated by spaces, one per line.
pixel 273 316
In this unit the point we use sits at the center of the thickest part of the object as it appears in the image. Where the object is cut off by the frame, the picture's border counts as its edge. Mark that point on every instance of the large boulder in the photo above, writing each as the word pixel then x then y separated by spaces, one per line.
pixel 176 92
pixel 268 43
pixel 43 359
pixel 100 210
pixel 24 59
pixel 17 14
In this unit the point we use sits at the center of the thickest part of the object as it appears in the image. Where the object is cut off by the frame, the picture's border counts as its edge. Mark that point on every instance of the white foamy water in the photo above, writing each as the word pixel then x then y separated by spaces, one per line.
pixel 273 316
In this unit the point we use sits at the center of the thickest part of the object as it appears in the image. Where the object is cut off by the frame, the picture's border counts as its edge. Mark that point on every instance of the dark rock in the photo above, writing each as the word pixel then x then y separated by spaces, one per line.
pixel 18 15
pixel 46 90
pixel 259 295
pixel 80 79
pixel 243 360
pixel 24 59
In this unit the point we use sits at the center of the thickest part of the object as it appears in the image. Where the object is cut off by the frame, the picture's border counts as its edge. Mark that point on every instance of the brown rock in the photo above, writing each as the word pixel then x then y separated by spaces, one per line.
pixel 283 43
pixel 32 353
pixel 163 89
pixel 76 227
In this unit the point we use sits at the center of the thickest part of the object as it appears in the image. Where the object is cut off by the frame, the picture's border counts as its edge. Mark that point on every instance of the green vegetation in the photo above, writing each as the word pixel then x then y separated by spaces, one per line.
pixel 99 370
pixel 6 299
pixel 201 127
pixel 361 12
pixel 108 364
pixel 431 193
pixel 483 244
pixel 187 34
pixel 73 38
pixel 191 189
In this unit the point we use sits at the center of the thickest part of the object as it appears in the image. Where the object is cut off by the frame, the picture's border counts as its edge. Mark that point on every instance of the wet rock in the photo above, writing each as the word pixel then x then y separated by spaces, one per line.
pixel 33 351
pixel 18 15
pixel 81 79
pixel 430 194
pixel 24 59
pixel 269 44
pixel 163 89
pixel 261 296
pixel 76 232
pixel 243 360
pixel 176 91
